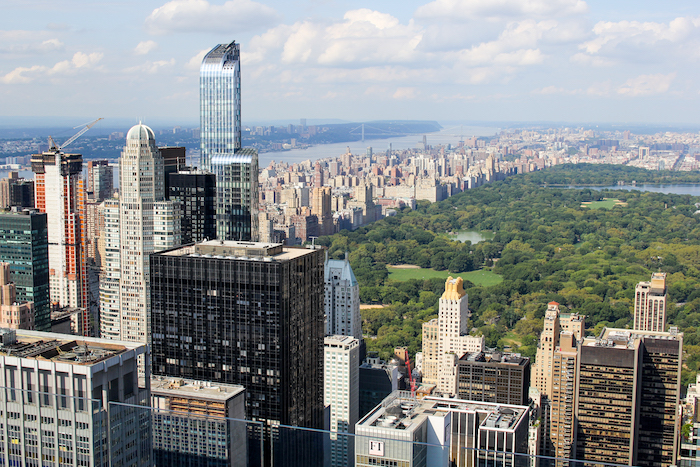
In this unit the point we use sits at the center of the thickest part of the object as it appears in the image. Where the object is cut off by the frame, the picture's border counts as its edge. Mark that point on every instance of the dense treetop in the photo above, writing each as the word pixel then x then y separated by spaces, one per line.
pixel 547 246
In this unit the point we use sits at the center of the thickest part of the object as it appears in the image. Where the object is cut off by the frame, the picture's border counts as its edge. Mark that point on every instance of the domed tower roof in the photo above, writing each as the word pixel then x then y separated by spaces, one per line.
pixel 140 132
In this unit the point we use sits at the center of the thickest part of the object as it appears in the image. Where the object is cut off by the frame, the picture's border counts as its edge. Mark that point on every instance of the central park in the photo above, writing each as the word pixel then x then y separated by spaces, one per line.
pixel 539 239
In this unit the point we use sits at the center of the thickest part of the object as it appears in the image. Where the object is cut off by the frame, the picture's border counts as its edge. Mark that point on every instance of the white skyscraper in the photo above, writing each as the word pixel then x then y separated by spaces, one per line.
pixel 342 299
pixel 341 391
pixel 109 272
pixel 450 337
pixel 147 224
pixel 650 304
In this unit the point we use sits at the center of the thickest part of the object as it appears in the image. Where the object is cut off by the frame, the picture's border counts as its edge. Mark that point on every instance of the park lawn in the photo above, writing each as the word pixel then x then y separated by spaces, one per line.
pixel 512 339
pixel 607 203
pixel 484 277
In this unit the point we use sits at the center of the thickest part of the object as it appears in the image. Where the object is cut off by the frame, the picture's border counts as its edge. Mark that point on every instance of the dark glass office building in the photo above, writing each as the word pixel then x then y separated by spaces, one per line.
pixel 24 244
pixel 244 313
pixel 196 192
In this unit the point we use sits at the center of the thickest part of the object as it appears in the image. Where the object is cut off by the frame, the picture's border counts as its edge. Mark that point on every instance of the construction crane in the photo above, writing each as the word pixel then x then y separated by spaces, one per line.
pixel 412 382
pixel 86 126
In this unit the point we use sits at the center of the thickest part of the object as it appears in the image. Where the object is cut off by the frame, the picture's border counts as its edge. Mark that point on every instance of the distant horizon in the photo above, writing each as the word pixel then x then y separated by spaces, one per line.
pixel 121 124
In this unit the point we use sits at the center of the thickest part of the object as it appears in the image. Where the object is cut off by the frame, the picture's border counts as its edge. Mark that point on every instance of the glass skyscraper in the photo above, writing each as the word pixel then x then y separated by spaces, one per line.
pixel 220 102
pixel 236 169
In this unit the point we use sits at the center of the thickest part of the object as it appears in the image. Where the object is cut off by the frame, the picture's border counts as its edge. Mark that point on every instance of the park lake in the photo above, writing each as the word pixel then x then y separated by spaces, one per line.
pixel 473 236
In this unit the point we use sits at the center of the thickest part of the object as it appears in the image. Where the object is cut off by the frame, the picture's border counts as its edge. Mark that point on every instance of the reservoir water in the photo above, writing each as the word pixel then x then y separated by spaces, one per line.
pixel 676 188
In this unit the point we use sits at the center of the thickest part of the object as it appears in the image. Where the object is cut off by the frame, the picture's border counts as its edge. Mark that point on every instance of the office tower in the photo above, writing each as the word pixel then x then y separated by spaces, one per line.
pixel 342 299
pixel 147 223
pixel 436 431
pixel 549 351
pixel 94 227
pixel 560 429
pixel 378 379
pixel 430 331
pixel 452 337
pixel 110 319
pixel 64 395
pixel 59 193
pixel 14 314
pixel 195 191
pixel 15 191
pixel 236 194
pixel 174 159
pixel 321 208
pixel 628 385
pixel 244 313
pixel 650 304
pixel 24 245
pixel 100 179
pixel 342 393
pixel 203 414
pixel 554 323
pixel 501 378
pixel 220 103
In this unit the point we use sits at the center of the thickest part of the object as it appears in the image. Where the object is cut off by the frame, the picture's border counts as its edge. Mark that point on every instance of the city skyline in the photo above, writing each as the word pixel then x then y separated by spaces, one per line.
pixel 444 60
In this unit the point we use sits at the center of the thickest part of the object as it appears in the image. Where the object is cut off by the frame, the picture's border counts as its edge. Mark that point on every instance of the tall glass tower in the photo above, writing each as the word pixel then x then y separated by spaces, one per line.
pixel 236 169
pixel 220 102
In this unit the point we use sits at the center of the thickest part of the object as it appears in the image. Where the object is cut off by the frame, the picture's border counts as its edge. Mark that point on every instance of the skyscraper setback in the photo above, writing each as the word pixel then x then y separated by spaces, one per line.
pixel 147 224
pixel 236 169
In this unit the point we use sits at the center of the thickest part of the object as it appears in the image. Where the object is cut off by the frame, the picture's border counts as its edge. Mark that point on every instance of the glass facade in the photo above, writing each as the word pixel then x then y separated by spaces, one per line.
pixel 24 244
pixel 236 195
pixel 220 102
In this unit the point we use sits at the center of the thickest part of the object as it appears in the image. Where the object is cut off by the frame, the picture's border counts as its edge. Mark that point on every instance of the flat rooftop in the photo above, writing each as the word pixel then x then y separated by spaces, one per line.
pixel 63 348
pixel 194 389
pixel 402 411
pixel 625 338
pixel 227 249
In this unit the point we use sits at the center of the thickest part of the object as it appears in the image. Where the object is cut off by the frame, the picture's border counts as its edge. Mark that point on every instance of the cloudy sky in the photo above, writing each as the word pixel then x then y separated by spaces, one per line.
pixel 471 60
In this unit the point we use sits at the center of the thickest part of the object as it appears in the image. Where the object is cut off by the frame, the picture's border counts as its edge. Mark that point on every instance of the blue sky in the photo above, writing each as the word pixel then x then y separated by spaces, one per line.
pixel 472 60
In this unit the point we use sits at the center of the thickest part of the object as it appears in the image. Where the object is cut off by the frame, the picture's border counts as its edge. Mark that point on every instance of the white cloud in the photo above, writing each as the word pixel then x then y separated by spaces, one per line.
pixel 22 74
pixel 406 93
pixel 236 16
pixel 470 10
pixel 195 63
pixel 151 67
pixel 144 47
pixel 27 74
pixel 645 85
pixel 634 41
pixel 553 90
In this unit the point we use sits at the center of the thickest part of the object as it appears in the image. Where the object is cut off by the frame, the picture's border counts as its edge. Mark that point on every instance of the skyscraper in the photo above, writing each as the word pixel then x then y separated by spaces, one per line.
pixel 453 339
pixel 59 193
pixel 147 223
pixel 342 299
pixel 195 191
pixel 24 245
pixel 628 388
pixel 236 169
pixel 236 195
pixel 244 313
pixel 553 377
pixel 100 179
pixel 650 304
pixel 341 393
pixel 220 102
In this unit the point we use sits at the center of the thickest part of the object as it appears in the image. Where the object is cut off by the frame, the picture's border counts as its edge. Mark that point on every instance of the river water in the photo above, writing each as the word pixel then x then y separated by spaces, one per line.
pixel 445 136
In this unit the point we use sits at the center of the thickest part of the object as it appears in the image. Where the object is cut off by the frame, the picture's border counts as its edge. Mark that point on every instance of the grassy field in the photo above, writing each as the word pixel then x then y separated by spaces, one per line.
pixel 607 203
pixel 482 277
